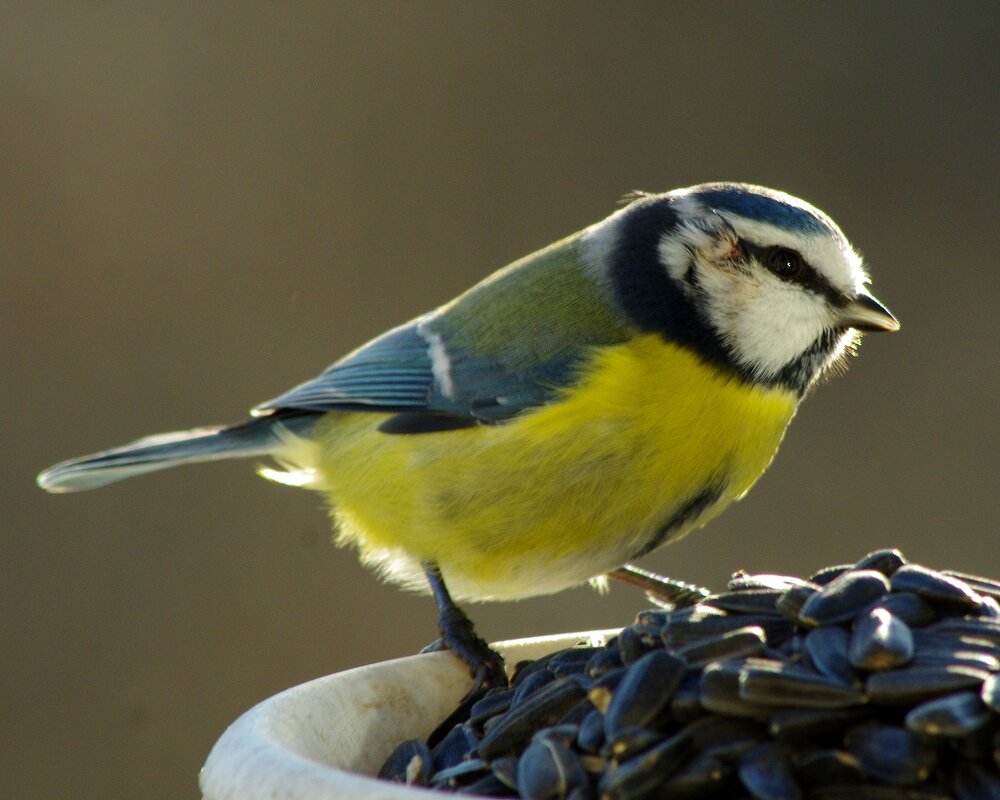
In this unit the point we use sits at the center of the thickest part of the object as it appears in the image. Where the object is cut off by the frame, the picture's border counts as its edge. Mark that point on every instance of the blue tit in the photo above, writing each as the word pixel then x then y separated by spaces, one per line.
pixel 576 410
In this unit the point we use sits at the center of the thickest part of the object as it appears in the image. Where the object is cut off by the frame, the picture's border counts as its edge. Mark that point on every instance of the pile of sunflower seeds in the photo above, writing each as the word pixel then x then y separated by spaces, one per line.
pixel 873 681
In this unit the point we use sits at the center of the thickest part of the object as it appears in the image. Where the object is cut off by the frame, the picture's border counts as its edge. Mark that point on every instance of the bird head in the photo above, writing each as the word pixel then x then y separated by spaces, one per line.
pixel 753 279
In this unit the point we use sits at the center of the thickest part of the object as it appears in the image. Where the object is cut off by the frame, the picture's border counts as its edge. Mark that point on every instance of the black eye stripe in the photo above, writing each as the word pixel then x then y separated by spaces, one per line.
pixel 807 276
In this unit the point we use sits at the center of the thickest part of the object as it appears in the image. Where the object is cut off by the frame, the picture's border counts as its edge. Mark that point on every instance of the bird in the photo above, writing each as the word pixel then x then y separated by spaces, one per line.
pixel 568 414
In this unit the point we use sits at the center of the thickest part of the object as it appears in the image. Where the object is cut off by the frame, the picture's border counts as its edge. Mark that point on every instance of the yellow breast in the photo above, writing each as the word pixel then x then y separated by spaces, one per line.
pixel 649 437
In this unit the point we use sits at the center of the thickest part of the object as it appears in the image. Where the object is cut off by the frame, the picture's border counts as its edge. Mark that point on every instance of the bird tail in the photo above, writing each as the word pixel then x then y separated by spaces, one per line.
pixel 256 437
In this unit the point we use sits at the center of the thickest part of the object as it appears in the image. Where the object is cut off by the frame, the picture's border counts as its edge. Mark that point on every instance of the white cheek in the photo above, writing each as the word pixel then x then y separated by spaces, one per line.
pixel 766 324
pixel 775 330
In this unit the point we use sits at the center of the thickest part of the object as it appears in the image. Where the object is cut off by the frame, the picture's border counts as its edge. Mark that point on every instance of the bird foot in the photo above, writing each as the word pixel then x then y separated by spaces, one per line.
pixel 458 635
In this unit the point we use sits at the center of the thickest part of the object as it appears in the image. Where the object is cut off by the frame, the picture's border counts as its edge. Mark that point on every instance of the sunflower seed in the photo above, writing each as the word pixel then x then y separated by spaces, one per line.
pixel 720 691
pixel 540 709
pixel 929 643
pixel 987 586
pixel 908 607
pixel 891 754
pixel 824 576
pixel 747 601
pixel 940 590
pixel 911 685
pixel 827 648
pixel 885 561
pixel 572 661
pixel 631 646
pixel 605 660
pixel 796 725
pixel 645 691
pixel 677 634
pixel 590 736
pixel 781 685
pixel 844 597
pixel 957 658
pixel 790 602
pixel 642 774
pixel 524 669
pixel 880 641
pixel 954 715
pixel 747 641
pixel 496 701
pixel 549 769
pixel 454 747
pixel 767 773
pixel 531 684
pixel 978 628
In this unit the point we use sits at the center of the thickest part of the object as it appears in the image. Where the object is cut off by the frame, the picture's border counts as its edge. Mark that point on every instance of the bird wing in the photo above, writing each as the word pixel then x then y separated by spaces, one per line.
pixel 508 344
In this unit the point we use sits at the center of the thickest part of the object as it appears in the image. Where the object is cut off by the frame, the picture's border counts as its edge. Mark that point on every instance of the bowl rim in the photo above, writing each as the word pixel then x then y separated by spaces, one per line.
pixel 286 745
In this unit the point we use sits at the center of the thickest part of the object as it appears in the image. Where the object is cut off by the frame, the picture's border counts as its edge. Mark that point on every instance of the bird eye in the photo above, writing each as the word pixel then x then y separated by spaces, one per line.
pixel 784 263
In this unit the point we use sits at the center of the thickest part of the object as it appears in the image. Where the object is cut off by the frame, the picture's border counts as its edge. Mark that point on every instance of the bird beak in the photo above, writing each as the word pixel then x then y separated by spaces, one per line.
pixel 865 313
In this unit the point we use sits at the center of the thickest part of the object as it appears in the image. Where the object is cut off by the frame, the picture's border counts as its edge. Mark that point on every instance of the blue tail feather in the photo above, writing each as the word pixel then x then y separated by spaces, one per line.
pixel 256 437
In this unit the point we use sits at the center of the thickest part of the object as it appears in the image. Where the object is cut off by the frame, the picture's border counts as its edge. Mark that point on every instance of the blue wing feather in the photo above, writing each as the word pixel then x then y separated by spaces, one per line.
pixel 508 344
pixel 395 372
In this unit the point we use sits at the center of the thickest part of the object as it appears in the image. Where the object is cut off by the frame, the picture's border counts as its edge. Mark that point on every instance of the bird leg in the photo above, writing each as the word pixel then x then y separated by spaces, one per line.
pixel 459 636
pixel 660 589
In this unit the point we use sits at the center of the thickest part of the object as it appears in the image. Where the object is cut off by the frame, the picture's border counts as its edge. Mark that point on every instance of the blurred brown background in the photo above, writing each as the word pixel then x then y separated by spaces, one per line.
pixel 205 203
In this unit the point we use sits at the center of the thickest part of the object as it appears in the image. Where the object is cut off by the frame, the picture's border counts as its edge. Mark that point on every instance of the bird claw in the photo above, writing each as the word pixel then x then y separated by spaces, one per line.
pixel 434 647
pixel 486 666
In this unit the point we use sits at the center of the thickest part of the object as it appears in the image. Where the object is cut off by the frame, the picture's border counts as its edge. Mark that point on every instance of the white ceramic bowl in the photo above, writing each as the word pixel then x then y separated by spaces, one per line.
pixel 321 740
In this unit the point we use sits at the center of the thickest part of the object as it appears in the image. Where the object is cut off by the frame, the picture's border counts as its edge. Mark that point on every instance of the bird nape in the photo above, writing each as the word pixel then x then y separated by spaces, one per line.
pixel 577 409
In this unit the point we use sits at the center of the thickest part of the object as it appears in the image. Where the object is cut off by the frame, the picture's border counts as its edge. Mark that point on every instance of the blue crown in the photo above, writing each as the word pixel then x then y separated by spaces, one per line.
pixel 757 204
